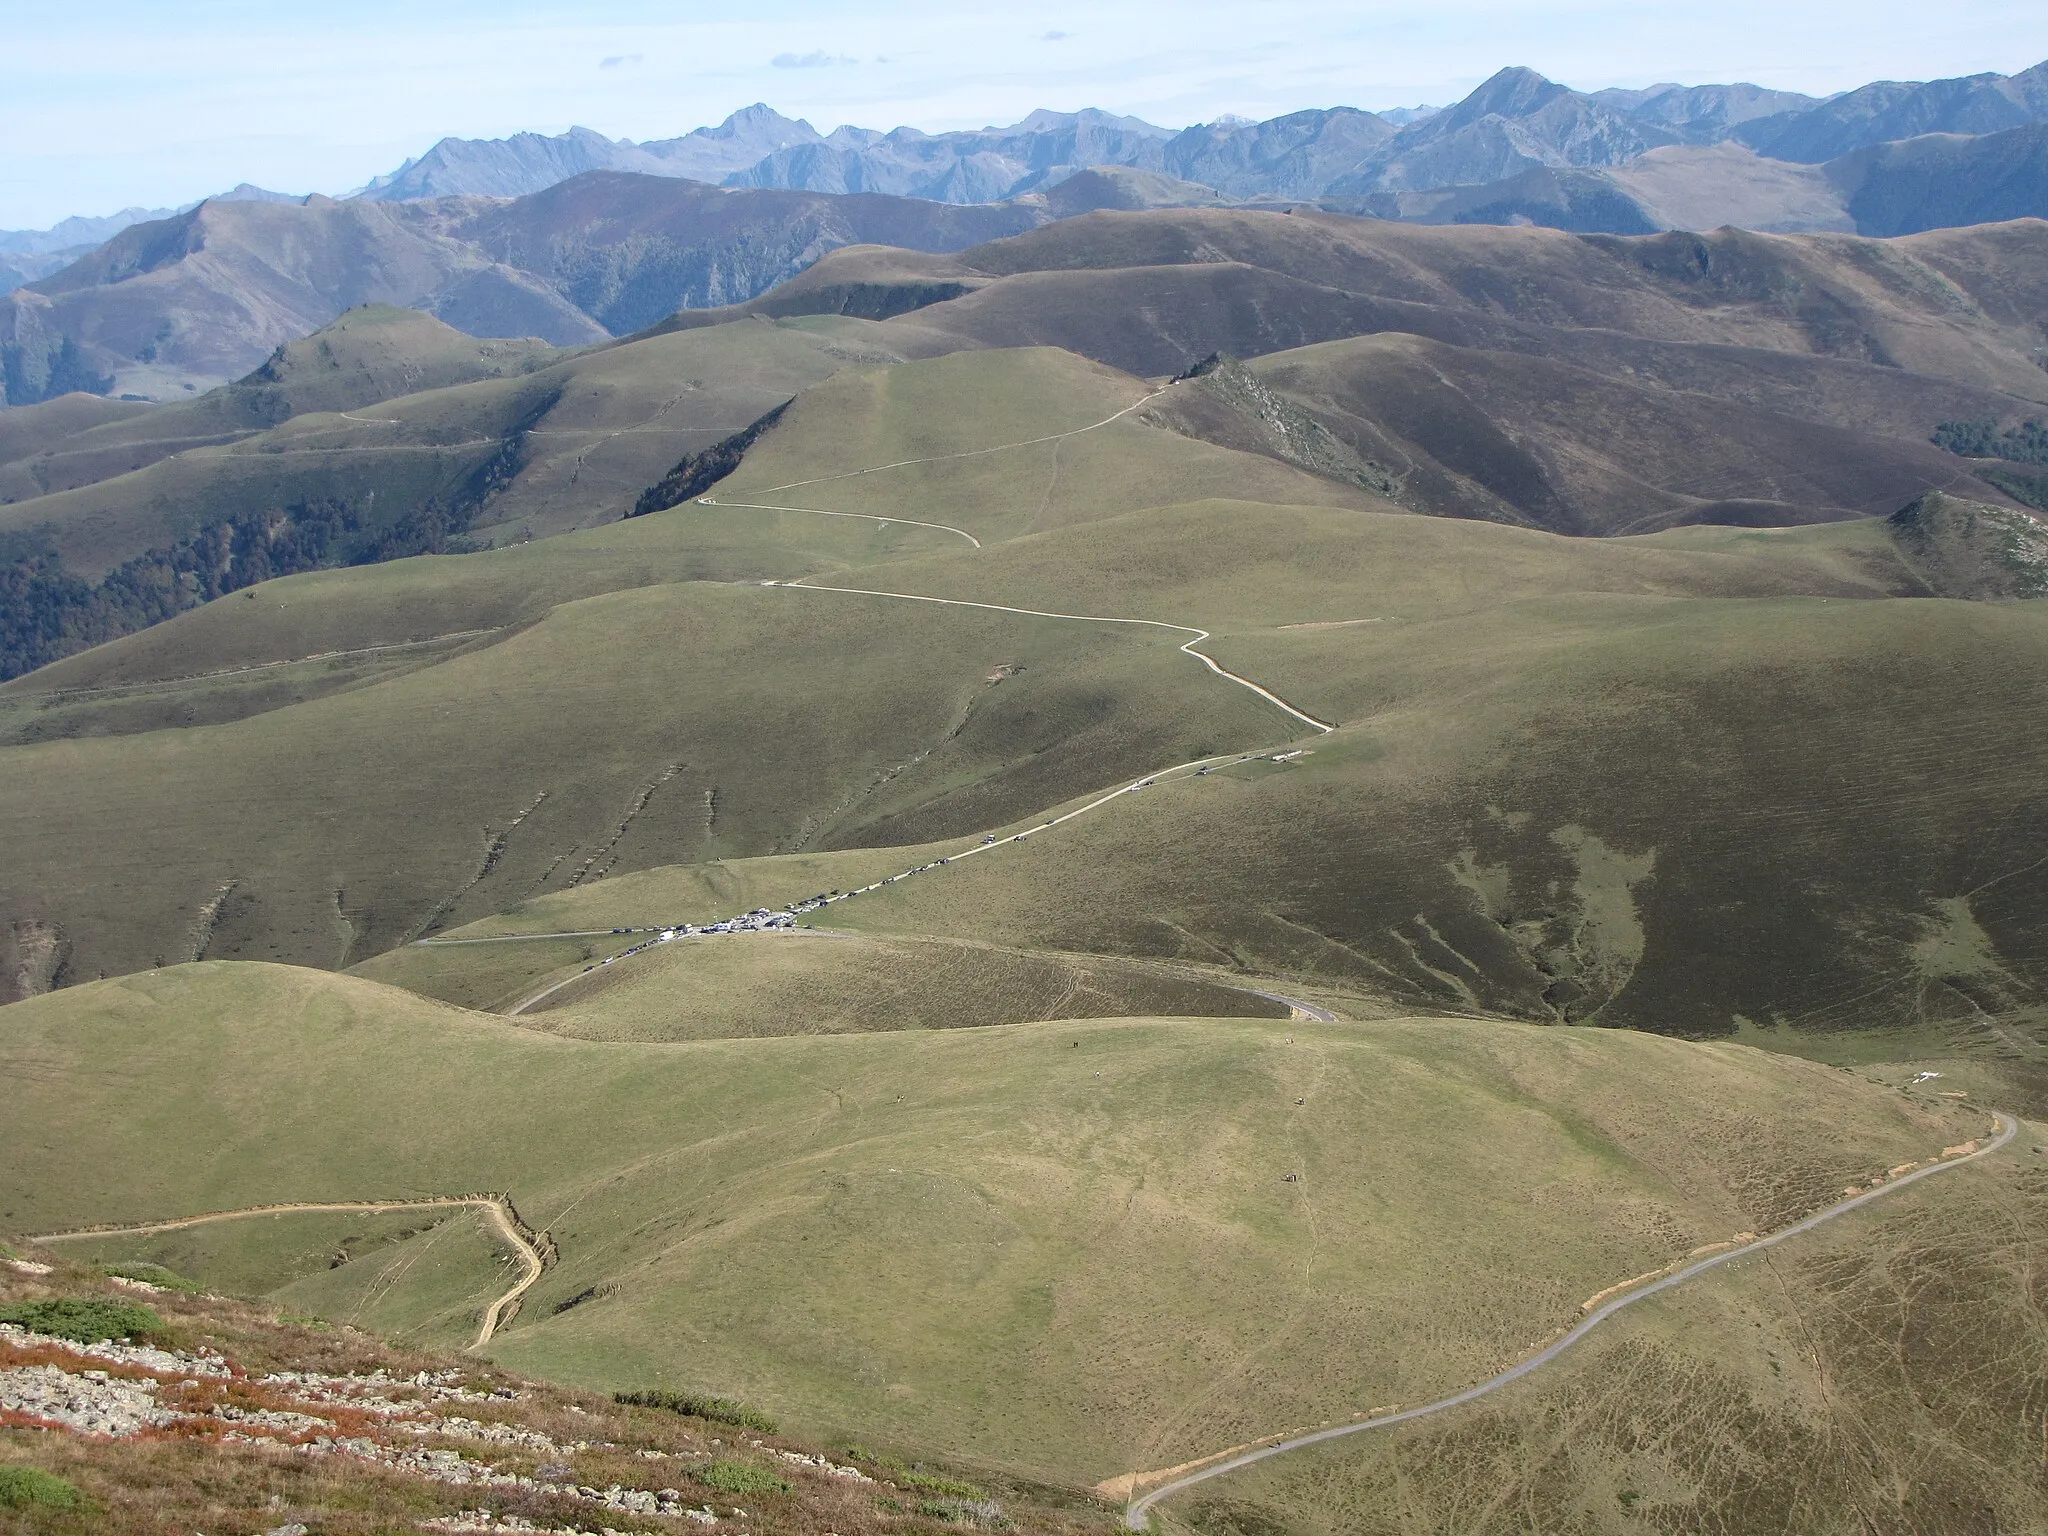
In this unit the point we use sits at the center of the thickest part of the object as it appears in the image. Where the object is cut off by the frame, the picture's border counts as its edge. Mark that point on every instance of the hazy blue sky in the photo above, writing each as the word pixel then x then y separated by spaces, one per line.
pixel 158 102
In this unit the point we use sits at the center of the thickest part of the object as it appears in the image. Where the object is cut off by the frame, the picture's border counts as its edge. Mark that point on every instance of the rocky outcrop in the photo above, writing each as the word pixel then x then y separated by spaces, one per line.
pixel 32 958
pixel 1970 549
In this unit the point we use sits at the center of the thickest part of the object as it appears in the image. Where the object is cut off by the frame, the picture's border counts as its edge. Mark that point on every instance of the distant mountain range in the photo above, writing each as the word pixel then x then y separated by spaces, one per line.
pixel 171 307
pixel 576 237
pixel 1889 158
pixel 1514 123
pixel 27 254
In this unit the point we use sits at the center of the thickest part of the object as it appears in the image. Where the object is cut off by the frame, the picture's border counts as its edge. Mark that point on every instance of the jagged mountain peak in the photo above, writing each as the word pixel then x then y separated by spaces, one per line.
pixel 759 119
pixel 1512 92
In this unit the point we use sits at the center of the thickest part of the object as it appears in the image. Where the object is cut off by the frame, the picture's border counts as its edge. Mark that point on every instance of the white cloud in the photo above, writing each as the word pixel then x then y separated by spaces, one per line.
pixel 819 60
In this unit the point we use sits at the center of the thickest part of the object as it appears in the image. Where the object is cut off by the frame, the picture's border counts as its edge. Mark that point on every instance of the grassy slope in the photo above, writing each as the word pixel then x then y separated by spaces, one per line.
pixel 197 1478
pixel 639 662
pixel 28 430
pixel 817 983
pixel 1955 305
pixel 1580 450
pixel 1882 1376
pixel 1588 385
pixel 1614 821
pixel 1565 786
pixel 417 1276
pixel 960 404
pixel 373 352
pixel 1546 799
pixel 968 1239
pixel 601 425
pixel 593 757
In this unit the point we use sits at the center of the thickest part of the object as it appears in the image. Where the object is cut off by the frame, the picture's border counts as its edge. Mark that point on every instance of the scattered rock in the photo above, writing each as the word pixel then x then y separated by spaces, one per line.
pixel 90 1403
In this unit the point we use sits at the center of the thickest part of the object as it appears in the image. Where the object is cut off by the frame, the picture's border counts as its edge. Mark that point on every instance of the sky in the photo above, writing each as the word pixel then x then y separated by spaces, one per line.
pixel 157 103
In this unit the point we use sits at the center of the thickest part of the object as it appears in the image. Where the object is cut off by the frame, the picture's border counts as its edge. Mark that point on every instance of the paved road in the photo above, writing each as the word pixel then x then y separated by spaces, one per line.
pixel 1137 1515
pixel 1310 1011
pixel 531 1267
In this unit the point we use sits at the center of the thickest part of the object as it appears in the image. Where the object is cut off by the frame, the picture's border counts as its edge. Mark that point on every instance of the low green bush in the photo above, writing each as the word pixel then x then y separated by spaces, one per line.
pixel 739 1477
pixel 26 1488
pixel 719 1410
pixel 931 1482
pixel 85 1319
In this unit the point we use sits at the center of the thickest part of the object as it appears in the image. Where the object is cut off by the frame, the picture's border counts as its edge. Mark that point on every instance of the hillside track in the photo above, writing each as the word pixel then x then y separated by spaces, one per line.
pixel 865 517
pixel 1187 648
pixel 970 453
pixel 532 1250
pixel 911 522
pixel 1309 1011
pixel 148 684
pixel 1137 1516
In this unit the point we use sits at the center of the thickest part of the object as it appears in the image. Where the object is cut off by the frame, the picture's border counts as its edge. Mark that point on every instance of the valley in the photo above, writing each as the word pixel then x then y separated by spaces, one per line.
pixel 1082 866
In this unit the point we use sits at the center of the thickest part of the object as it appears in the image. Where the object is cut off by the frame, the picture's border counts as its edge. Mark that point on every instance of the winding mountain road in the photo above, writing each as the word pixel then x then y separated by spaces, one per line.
pixel 1186 648
pixel 1165 775
pixel 1313 1013
pixel 1137 1516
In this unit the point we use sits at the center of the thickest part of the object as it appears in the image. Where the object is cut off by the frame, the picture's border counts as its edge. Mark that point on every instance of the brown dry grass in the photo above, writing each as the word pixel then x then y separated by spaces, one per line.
pixel 178 1480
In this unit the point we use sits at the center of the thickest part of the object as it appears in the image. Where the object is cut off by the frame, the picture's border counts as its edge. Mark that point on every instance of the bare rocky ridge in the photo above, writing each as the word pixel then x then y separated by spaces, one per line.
pixel 1515 122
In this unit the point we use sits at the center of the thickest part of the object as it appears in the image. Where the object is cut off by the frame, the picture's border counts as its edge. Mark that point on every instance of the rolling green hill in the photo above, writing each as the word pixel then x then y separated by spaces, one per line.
pixel 547 447
pixel 1564 783
pixel 1543 799
pixel 572 730
pixel 969 1240
pixel 373 352
pixel 544 448
pixel 1951 304
pixel 1192 725
pixel 1508 437
pixel 802 983
pixel 1872 1380
pixel 1588 385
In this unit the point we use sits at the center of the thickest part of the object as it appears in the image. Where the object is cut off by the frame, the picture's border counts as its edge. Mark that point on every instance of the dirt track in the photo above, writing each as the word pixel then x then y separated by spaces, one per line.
pixel 499 1210
pixel 1138 1515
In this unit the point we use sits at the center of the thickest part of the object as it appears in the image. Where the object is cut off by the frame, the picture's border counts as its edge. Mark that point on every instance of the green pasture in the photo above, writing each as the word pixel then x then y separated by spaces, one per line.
pixel 1069 1249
